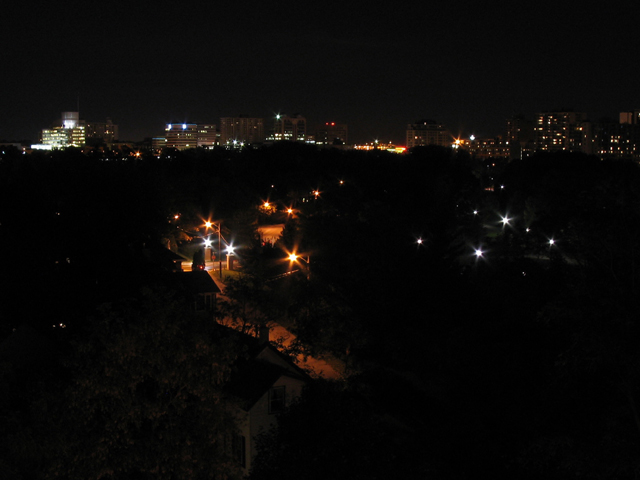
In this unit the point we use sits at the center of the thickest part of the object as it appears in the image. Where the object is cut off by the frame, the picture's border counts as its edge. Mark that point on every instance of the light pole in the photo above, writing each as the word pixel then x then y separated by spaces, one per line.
pixel 210 225
pixel 293 258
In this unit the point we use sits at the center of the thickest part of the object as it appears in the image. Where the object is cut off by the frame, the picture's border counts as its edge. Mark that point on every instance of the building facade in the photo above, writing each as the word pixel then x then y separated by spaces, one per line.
pixel 428 132
pixel 292 128
pixel 332 133
pixel 105 132
pixel 242 129
pixel 560 131
pixel 69 131
pixel 181 135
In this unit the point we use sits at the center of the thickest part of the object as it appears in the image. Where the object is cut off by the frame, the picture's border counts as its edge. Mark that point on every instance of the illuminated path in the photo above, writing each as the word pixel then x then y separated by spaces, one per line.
pixel 328 368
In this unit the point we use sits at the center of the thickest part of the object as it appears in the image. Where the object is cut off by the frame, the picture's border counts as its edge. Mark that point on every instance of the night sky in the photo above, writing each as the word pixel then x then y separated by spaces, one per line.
pixel 377 69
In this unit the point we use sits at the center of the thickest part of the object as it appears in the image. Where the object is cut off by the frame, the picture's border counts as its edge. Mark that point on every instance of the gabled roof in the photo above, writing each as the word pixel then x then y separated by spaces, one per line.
pixel 198 281
pixel 257 373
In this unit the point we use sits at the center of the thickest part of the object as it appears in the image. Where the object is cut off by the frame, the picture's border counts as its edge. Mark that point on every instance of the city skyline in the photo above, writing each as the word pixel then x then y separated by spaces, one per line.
pixel 376 70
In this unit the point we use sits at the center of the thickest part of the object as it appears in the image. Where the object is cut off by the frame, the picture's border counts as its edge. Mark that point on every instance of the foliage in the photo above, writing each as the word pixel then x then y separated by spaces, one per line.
pixel 333 432
pixel 146 400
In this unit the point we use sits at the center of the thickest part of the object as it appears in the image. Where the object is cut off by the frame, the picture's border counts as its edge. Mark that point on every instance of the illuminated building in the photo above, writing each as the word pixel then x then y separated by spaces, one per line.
pixel 483 148
pixel 242 129
pixel 631 118
pixel 428 132
pixel 187 135
pixel 68 132
pixel 560 131
pixel 289 127
pixel 332 133
pixel 519 136
pixel 208 135
pixel 105 132
pixel 158 143
pixel 389 147
pixel 613 140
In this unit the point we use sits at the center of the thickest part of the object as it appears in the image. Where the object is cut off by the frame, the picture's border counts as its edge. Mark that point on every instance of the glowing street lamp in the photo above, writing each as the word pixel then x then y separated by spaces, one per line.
pixel 294 258
pixel 505 221
pixel 208 225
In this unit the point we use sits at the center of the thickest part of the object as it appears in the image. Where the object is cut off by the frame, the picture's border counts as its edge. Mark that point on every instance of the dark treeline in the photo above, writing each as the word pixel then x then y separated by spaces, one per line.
pixel 520 362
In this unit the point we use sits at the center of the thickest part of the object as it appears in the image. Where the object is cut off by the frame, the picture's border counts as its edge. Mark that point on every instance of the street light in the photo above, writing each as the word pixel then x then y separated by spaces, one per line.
pixel 209 224
pixel 294 258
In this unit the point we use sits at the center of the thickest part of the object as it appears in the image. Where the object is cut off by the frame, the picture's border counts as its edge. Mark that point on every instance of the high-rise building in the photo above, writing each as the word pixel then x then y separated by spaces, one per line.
pixel 101 132
pixel 68 132
pixel 188 135
pixel 332 133
pixel 289 127
pixel 519 136
pixel 208 135
pixel 241 129
pixel 632 118
pixel 560 131
pixel 181 135
pixel 613 140
pixel 428 132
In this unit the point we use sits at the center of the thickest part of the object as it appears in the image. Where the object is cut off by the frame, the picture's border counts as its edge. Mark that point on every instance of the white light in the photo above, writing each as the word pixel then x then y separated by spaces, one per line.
pixel 552 242
pixel 184 126
pixel 479 253
pixel 475 212
pixel 505 221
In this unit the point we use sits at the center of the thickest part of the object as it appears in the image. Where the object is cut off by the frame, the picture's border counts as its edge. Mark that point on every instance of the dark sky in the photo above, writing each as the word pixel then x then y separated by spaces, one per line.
pixel 144 63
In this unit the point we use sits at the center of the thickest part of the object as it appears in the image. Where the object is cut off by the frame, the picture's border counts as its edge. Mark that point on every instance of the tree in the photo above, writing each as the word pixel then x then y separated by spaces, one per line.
pixel 335 432
pixel 146 397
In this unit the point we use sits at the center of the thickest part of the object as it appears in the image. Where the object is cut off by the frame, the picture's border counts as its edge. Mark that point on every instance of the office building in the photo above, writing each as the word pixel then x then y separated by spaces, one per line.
pixel 289 127
pixel 69 131
pixel 241 130
pixel 332 133
pixel 101 133
pixel 183 136
pixel 428 132
pixel 208 135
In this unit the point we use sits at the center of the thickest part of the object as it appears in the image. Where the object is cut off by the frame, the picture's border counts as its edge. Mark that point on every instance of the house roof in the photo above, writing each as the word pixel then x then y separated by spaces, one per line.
pixel 257 373
pixel 198 281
